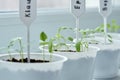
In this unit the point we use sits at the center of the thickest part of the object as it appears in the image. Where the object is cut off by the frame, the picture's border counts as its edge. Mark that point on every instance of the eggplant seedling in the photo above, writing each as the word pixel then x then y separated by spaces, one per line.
pixel 60 41
pixel 80 45
pixel 113 27
pixel 12 44
pixel 91 33
pixel 43 38
pixel 44 42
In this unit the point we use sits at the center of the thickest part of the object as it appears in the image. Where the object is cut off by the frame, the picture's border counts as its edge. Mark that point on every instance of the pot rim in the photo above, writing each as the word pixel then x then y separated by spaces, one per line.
pixel 97 48
pixel 63 58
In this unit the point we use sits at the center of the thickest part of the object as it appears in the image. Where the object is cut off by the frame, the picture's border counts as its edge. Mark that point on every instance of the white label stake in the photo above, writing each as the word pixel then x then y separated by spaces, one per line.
pixel 105 9
pixel 77 9
pixel 27 10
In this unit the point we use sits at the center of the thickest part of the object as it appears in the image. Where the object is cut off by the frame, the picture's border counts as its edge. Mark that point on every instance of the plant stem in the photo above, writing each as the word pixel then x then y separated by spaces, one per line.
pixel 10 55
pixel 21 51
pixel 28 43
pixel 43 53
pixel 105 29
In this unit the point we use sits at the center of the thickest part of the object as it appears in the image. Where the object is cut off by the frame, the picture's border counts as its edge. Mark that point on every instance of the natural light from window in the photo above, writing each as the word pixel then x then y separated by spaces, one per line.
pixel 10 5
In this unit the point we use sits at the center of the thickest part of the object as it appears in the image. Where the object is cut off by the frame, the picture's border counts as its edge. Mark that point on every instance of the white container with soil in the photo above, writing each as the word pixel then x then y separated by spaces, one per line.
pixel 80 65
pixel 38 69
pixel 117 37
pixel 114 35
pixel 15 66
pixel 81 57
pixel 107 59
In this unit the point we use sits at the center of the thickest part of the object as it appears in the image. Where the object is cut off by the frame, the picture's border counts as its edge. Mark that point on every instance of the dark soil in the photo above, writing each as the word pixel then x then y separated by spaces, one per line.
pixel 93 43
pixel 25 60
pixel 64 50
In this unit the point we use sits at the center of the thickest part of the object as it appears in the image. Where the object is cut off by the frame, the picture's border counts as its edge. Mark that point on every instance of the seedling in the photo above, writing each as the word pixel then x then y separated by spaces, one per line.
pixel 112 27
pixel 80 45
pixel 11 44
pixel 91 33
pixel 58 38
pixel 44 42
pixel 43 38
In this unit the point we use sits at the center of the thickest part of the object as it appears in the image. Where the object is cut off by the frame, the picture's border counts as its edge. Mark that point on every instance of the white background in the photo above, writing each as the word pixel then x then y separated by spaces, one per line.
pixel 14 4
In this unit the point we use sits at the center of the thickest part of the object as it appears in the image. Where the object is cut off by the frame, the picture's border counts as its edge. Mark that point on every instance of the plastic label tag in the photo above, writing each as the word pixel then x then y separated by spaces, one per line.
pixel 77 7
pixel 105 7
pixel 27 11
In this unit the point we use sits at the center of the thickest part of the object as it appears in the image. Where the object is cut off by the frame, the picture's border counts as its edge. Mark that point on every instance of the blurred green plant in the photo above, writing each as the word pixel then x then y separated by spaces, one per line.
pixel 12 44
pixel 58 41
pixel 113 27
pixel 43 42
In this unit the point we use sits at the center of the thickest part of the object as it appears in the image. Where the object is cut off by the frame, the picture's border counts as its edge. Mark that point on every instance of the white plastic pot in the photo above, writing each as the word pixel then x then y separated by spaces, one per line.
pixel 116 36
pixel 80 65
pixel 107 59
pixel 31 71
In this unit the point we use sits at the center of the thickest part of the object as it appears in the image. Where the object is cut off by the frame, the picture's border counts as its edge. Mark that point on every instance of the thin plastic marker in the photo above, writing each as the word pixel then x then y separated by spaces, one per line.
pixel 105 9
pixel 27 10
pixel 77 9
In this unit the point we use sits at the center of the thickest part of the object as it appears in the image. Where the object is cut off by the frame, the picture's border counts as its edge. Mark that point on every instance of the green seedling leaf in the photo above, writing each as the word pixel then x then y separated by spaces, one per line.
pixel 50 46
pixel 43 36
pixel 58 36
pixel 110 40
pixel 109 36
pixel 77 46
pixel 108 26
pixel 62 28
pixel 70 39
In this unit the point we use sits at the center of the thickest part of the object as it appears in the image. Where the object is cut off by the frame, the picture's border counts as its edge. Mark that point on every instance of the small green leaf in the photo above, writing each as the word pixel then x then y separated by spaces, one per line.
pixel 58 35
pixel 108 25
pixel 109 36
pixel 43 36
pixel 77 46
pixel 110 40
pixel 70 38
pixel 50 46
pixel 61 28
